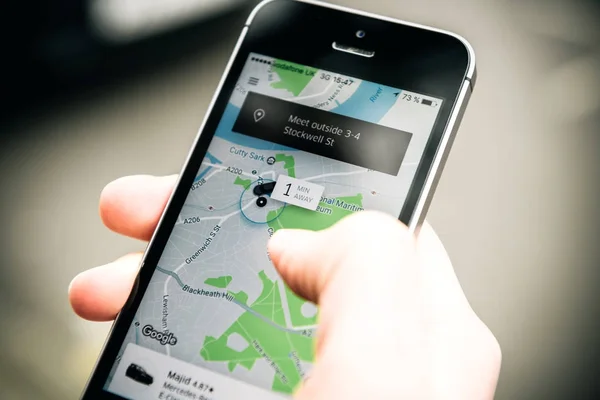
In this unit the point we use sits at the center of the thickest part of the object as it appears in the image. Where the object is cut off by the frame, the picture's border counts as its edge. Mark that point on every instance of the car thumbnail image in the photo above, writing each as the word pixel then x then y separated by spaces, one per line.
pixel 139 374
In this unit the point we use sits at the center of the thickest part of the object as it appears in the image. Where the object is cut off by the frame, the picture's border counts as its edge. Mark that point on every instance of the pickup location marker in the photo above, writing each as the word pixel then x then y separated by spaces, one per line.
pixel 259 114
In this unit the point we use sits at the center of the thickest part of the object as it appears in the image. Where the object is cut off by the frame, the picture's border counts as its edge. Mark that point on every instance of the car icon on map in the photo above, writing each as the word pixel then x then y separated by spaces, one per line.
pixel 139 374
pixel 264 189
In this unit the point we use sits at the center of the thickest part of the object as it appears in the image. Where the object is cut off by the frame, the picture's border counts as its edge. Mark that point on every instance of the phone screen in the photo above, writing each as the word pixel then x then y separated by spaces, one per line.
pixel 297 147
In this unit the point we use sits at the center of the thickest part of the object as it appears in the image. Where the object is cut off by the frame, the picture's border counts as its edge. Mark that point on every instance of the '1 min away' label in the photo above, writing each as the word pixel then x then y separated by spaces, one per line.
pixel 297 192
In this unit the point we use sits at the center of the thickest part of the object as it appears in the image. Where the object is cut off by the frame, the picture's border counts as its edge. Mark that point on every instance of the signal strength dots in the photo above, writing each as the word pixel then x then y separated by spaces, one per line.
pixel 260 60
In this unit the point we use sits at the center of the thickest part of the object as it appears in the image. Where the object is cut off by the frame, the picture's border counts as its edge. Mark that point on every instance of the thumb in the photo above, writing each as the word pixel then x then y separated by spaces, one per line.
pixel 297 256
pixel 363 273
pixel 363 242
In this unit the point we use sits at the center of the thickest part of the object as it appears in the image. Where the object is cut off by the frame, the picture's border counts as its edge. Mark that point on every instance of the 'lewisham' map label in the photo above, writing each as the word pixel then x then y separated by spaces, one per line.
pixel 297 192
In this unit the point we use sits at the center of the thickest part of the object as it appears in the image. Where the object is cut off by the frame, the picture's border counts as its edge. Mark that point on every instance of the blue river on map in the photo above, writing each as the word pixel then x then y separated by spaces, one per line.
pixel 369 103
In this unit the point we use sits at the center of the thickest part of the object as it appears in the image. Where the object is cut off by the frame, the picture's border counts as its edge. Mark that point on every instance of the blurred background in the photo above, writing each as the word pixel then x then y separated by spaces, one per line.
pixel 96 89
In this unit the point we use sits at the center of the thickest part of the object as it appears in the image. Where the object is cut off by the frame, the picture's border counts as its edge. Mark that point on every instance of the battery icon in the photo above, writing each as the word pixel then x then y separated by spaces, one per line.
pixel 427 102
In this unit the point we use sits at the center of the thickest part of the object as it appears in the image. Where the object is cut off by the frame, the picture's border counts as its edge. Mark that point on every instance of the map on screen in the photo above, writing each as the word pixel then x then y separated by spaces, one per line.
pixel 215 300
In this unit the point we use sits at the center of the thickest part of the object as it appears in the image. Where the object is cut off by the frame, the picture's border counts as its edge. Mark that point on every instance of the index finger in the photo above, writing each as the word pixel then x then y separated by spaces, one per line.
pixel 132 205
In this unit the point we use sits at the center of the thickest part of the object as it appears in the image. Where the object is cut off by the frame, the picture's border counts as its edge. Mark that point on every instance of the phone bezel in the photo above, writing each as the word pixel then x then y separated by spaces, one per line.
pixel 407 56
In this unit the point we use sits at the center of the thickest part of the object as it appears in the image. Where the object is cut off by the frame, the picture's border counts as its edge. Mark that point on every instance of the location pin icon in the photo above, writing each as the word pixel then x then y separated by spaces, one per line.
pixel 259 114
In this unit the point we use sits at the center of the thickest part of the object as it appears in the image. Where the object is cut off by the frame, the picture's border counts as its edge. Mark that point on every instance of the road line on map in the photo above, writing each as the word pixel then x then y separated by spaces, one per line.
pixel 224 167
pixel 295 330
pixel 284 302
pixel 171 274
pixel 223 219
pixel 219 166
pixel 212 174
pixel 335 174
pixel 295 99
pixel 306 327
pixel 272 172
pixel 202 219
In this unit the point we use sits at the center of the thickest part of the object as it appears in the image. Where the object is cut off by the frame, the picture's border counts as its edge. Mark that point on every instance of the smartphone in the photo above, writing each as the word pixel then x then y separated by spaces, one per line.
pixel 322 112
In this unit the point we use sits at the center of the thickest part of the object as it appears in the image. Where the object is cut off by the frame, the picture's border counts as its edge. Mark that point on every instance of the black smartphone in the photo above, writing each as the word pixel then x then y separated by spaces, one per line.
pixel 322 111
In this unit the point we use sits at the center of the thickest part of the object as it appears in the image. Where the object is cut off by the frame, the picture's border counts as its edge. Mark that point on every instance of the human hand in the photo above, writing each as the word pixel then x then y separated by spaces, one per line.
pixel 394 322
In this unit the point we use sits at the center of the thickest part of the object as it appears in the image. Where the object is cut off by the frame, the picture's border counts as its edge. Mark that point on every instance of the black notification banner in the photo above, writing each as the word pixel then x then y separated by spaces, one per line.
pixel 323 133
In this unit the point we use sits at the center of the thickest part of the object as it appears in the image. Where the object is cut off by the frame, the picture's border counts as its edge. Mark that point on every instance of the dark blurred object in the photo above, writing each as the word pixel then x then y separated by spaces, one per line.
pixel 53 47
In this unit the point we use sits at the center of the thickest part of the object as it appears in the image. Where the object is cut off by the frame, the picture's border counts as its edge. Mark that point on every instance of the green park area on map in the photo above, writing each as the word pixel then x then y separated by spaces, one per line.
pixel 221 282
pixel 288 163
pixel 294 77
pixel 263 327
pixel 265 340
pixel 245 183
